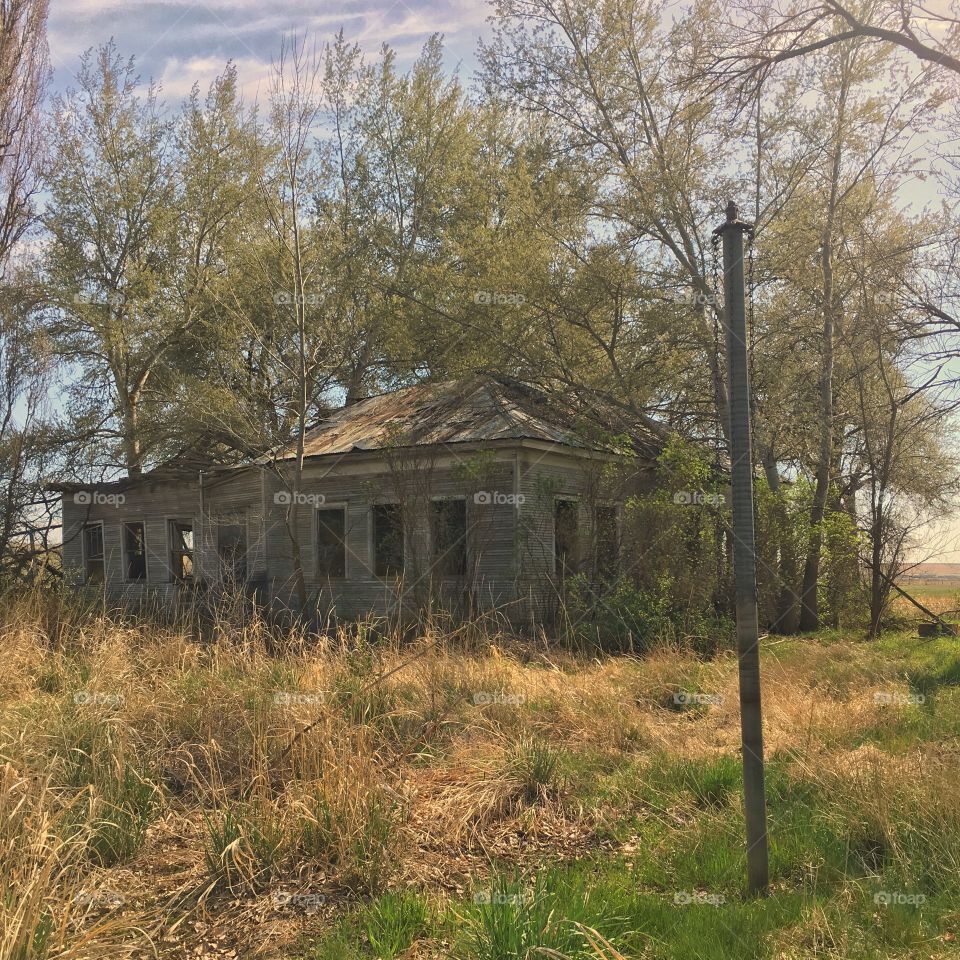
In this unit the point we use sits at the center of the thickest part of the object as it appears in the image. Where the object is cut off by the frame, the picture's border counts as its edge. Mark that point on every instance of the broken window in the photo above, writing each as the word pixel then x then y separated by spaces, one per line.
pixel 135 551
pixel 181 549
pixel 449 530
pixel 93 552
pixel 565 537
pixel 388 539
pixel 331 543
pixel 607 545
pixel 232 548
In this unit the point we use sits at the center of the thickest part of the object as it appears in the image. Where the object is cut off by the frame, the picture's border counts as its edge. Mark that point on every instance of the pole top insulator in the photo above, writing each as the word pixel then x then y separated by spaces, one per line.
pixel 733 221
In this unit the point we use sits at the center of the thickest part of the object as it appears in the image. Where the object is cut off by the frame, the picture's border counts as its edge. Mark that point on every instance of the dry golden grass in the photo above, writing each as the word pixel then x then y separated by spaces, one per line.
pixel 193 780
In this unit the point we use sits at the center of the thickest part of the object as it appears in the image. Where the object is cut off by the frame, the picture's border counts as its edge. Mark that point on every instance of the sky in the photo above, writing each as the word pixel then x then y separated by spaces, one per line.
pixel 179 42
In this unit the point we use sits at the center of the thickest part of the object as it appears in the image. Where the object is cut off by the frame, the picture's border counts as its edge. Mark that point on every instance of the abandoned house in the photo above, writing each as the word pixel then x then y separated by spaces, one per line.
pixel 474 494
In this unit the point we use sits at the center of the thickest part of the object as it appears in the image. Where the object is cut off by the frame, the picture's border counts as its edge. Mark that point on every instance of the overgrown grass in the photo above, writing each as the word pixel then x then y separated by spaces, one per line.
pixel 487 799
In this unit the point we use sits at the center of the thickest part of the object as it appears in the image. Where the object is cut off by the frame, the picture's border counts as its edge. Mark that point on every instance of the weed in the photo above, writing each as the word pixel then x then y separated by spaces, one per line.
pixel 392 922
pixel 535 765
pixel 244 845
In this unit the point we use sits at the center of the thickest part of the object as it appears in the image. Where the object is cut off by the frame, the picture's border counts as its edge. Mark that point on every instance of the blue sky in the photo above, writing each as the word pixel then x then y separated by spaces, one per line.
pixel 179 42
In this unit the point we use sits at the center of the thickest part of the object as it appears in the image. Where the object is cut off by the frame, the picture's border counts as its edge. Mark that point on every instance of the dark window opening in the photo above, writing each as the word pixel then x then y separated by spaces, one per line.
pixel 449 529
pixel 607 542
pixel 181 550
pixel 565 537
pixel 135 551
pixel 331 543
pixel 93 552
pixel 388 540
pixel 232 549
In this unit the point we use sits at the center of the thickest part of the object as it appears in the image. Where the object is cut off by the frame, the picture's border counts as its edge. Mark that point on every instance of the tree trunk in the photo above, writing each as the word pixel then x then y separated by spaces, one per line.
pixel 785 614
pixel 809 607
pixel 878 589
pixel 290 523
pixel 132 451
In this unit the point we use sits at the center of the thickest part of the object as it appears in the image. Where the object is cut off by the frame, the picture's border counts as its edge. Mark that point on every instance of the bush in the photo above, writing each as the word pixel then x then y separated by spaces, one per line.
pixel 627 618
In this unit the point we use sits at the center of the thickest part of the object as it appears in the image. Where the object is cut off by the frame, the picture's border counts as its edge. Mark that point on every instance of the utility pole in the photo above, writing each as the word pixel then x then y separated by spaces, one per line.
pixel 744 552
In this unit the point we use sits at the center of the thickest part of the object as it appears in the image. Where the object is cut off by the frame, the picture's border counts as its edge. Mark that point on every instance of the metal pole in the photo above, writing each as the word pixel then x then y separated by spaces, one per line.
pixel 744 553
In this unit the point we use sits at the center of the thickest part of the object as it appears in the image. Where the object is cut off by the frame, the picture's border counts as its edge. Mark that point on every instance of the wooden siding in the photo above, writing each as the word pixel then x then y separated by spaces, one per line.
pixel 153 504
pixel 356 487
pixel 509 495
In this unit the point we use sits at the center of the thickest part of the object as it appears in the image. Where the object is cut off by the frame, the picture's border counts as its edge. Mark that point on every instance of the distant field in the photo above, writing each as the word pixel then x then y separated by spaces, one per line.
pixel 467 797
pixel 938 594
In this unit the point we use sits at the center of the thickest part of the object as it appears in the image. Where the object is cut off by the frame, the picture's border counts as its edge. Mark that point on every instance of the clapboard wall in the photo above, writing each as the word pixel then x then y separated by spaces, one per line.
pixel 510 495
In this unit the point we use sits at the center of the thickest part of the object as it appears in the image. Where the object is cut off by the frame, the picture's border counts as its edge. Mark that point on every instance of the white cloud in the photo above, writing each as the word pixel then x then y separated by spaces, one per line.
pixel 180 41
pixel 179 76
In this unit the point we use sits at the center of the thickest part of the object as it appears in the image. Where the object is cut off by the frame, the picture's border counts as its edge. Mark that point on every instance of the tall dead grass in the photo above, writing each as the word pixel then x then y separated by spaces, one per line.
pixel 347 762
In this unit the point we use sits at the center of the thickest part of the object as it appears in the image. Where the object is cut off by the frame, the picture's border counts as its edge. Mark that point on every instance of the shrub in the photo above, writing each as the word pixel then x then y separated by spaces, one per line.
pixel 627 618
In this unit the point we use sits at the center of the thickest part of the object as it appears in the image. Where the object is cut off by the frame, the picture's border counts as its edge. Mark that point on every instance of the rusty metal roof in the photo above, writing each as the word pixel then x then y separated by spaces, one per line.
pixel 462 411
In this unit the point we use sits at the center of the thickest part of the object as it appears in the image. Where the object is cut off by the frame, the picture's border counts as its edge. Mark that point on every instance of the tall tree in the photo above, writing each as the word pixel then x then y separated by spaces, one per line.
pixel 609 76
pixel 24 75
pixel 113 230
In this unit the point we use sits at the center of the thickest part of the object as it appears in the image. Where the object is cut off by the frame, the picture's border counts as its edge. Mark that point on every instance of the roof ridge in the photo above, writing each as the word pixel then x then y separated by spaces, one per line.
pixel 500 401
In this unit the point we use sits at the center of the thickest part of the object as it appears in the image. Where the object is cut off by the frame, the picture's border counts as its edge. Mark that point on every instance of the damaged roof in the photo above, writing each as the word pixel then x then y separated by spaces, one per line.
pixel 473 411
pixel 461 411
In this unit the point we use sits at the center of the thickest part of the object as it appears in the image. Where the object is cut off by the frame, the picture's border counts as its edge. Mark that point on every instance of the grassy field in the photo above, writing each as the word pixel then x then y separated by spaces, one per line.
pixel 464 795
pixel 938 595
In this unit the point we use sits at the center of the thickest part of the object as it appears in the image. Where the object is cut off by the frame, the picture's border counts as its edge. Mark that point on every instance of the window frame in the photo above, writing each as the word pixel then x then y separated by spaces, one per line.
pixel 451 498
pixel 239 518
pixel 616 507
pixel 125 554
pixel 574 500
pixel 89 525
pixel 171 523
pixel 321 576
pixel 372 514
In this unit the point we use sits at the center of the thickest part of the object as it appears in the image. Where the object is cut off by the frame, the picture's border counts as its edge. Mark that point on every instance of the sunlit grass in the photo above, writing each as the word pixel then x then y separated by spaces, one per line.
pixel 478 800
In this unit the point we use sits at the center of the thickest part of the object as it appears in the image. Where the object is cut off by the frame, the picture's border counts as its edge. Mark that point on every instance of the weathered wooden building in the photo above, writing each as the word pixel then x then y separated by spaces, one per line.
pixel 472 495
